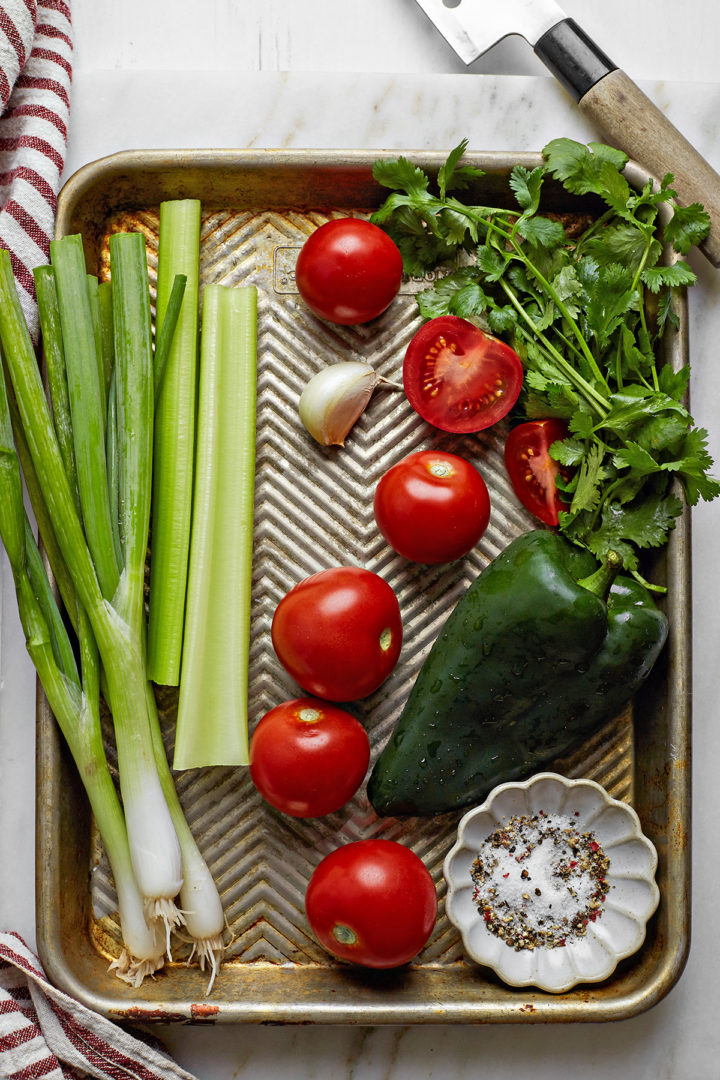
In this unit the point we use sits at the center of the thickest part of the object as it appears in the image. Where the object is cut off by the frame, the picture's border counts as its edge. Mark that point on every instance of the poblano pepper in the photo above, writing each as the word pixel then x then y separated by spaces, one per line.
pixel 539 652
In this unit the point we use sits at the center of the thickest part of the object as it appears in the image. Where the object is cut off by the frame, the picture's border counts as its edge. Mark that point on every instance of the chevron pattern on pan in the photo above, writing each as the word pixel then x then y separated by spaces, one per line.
pixel 313 509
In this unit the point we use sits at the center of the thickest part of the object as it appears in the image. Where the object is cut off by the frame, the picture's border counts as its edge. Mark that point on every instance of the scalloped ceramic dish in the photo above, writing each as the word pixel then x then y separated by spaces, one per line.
pixel 616 928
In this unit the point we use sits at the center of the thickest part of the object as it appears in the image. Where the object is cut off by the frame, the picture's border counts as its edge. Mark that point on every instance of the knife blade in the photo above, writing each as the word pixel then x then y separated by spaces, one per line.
pixel 605 94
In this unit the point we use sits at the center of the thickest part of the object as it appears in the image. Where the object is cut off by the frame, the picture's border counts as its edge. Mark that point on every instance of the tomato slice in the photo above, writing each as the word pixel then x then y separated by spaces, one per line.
pixel 531 469
pixel 458 378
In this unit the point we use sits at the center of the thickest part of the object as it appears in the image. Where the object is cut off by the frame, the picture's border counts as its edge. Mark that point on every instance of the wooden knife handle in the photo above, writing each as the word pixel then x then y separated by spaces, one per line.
pixel 630 121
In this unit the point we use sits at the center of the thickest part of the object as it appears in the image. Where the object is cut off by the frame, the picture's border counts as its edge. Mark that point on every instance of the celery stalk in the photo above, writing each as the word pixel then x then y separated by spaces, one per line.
pixel 178 254
pixel 212 710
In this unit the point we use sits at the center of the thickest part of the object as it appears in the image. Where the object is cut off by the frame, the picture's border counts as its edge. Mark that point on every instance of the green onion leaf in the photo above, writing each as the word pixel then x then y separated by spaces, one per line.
pixel 87 407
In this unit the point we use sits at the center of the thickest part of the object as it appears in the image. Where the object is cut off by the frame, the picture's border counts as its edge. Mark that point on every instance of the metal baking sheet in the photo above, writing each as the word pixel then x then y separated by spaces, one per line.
pixel 313 510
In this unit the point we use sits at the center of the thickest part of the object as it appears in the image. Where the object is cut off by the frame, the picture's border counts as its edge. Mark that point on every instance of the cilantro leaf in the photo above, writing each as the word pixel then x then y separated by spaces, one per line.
pixel 527 185
pixel 674 383
pixel 447 170
pixel 455 177
pixel 634 456
pixel 502 320
pixel 400 173
pixel 645 524
pixel 590 475
pixel 692 467
pixel 490 262
pixel 666 314
pixel 589 169
pixel 569 452
pixel 622 243
pixel 609 296
pixel 671 277
pixel 582 424
pixel 568 288
pixel 541 231
pixel 688 226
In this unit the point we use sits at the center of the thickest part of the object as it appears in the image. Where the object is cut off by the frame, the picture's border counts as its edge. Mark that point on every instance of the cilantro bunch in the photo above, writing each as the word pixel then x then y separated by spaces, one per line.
pixel 586 310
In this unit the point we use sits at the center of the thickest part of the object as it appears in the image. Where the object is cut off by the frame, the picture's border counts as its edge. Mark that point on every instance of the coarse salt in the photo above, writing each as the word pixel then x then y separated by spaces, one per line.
pixel 539 880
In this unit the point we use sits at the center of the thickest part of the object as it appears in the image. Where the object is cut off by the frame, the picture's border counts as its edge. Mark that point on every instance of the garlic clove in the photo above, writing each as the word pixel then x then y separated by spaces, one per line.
pixel 335 398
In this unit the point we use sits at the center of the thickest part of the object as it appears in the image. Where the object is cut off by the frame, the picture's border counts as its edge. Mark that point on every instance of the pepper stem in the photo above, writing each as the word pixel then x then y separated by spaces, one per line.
pixel 601 580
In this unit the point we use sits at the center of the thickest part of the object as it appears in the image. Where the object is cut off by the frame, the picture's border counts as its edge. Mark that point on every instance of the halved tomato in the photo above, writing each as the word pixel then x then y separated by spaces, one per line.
pixel 531 469
pixel 458 378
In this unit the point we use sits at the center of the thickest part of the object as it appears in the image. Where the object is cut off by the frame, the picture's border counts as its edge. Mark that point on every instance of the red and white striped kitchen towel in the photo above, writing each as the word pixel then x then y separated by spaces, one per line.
pixel 46 1034
pixel 35 74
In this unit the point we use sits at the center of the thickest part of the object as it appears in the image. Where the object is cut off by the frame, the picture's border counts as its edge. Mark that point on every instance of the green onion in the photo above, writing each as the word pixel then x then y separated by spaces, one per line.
pixel 176 380
pixel 53 553
pixel 107 337
pixel 199 898
pixel 212 710
pixel 112 465
pixel 134 407
pixel 87 409
pixel 94 297
pixel 37 576
pixel 12 518
pixel 166 333
pixel 153 841
pixel 75 707
pixel 134 396
pixel 152 853
pixel 54 354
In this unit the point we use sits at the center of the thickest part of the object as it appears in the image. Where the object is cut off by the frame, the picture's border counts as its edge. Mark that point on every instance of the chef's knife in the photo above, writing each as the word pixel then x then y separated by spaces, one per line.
pixel 623 113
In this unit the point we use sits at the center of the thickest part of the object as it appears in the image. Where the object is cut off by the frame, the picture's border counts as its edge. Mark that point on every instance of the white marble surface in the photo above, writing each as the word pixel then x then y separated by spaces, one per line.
pixel 316 73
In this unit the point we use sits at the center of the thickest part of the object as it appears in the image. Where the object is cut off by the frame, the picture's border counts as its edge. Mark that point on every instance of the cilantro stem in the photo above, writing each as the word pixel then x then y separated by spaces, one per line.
pixel 598 224
pixel 548 288
pixel 596 400
pixel 577 332
pixel 618 364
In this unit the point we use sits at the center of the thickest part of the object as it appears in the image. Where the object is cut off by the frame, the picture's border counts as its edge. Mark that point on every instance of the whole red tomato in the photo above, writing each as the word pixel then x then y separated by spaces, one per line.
pixel 308 758
pixel 532 471
pixel 372 902
pixel 458 378
pixel 338 633
pixel 432 507
pixel 348 271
